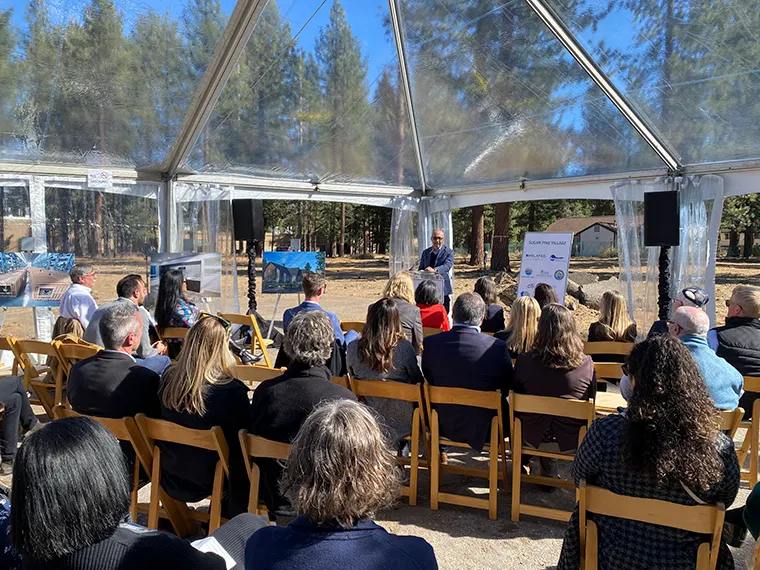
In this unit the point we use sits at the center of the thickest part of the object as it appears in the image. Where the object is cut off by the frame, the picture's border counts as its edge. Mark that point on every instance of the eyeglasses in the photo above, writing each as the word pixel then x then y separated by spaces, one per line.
pixel 436 238
pixel 227 324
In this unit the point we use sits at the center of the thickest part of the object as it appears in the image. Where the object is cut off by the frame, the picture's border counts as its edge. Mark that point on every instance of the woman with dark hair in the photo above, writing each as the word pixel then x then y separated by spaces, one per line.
pixel 545 295
pixel 339 474
pixel 383 353
pixel 666 446
pixel 428 298
pixel 494 319
pixel 70 508
pixel 558 368
pixel 173 308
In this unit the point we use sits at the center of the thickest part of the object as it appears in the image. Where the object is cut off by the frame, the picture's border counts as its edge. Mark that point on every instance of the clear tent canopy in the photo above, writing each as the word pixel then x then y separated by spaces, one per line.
pixel 457 102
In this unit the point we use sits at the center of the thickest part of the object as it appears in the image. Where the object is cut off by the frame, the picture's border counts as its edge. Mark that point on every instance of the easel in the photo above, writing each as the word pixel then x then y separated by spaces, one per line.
pixel 274 313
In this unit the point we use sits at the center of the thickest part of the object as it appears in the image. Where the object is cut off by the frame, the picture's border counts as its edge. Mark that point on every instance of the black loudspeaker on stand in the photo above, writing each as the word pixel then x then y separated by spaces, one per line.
pixel 662 227
pixel 248 218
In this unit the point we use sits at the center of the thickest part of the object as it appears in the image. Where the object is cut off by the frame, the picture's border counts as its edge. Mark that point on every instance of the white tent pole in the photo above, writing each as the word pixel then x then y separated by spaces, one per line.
pixel 398 34
pixel 639 122
pixel 235 37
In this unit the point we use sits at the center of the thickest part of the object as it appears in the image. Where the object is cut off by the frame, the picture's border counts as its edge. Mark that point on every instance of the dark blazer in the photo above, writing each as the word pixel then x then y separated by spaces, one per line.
pixel 494 321
pixel 465 358
pixel 278 409
pixel 532 377
pixel 111 385
pixel 306 546
pixel 411 322
pixel 187 473
pixel 443 264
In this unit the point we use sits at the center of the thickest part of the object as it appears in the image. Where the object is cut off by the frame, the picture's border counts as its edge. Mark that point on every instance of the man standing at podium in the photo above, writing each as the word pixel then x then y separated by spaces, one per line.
pixel 439 259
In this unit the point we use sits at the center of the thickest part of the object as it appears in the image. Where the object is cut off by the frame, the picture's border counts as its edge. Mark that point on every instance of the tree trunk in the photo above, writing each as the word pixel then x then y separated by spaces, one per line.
pixel 532 217
pixel 749 241
pixel 342 243
pixel 64 205
pixel 477 236
pixel 733 243
pixel 500 252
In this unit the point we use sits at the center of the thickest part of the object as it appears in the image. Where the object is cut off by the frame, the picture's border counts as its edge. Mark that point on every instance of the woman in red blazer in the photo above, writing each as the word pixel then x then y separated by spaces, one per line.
pixel 428 299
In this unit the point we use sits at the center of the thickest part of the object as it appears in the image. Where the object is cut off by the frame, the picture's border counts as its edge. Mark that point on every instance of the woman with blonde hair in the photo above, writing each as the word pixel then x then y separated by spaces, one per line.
pixel 199 392
pixel 383 353
pixel 400 287
pixel 614 323
pixel 523 326
pixel 340 472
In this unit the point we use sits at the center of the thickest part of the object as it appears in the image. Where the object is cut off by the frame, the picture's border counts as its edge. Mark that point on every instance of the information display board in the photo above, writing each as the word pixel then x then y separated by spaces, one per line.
pixel 283 270
pixel 34 279
pixel 545 259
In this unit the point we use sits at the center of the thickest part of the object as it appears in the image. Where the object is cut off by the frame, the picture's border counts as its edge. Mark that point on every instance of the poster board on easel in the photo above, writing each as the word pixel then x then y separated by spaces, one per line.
pixel 545 259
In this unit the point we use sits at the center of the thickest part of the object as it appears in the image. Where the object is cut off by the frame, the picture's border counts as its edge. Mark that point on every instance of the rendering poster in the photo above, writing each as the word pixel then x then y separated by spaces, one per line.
pixel 545 259
pixel 284 270
pixel 203 271
pixel 34 279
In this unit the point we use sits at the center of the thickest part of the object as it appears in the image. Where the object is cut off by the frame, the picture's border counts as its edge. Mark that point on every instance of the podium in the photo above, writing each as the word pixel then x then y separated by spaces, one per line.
pixel 420 276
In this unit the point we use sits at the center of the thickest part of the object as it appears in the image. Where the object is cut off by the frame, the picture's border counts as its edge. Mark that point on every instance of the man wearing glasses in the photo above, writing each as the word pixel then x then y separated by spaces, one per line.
pixel 77 302
pixel 439 259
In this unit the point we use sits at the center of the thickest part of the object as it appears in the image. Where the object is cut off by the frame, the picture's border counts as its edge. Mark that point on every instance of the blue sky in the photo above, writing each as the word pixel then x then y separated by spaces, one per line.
pixel 291 258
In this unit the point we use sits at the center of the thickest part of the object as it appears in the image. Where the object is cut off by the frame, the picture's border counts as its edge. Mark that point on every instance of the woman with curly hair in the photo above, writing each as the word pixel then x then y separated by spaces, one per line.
pixel 339 474
pixel 667 446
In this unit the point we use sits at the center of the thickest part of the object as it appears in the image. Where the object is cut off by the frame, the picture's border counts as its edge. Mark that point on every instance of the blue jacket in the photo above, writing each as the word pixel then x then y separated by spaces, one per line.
pixel 724 382
pixel 312 306
pixel 305 546
pixel 443 264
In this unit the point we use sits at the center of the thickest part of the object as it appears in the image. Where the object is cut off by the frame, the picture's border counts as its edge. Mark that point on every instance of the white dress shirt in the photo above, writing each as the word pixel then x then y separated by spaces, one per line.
pixel 77 303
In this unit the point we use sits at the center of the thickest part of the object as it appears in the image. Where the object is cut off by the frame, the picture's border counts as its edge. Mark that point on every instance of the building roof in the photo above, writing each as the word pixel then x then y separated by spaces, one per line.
pixel 577 225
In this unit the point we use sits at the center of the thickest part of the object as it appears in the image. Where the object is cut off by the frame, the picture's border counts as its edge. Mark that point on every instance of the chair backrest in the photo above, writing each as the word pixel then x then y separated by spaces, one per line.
pixel 730 420
pixel 173 333
pixel 752 384
pixel 256 336
pixel 9 343
pixel 70 353
pixel 25 347
pixel 160 430
pixel 550 406
pixel 341 381
pixel 430 331
pixel 387 389
pixel 357 326
pixel 490 400
pixel 250 374
pixel 608 370
pixel 238 319
pixel 255 446
pixel 700 519
pixel 608 347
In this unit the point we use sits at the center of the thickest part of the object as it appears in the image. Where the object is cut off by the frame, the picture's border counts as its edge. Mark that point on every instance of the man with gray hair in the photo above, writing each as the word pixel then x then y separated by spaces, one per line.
pixel 111 384
pixel 76 301
pixel 465 358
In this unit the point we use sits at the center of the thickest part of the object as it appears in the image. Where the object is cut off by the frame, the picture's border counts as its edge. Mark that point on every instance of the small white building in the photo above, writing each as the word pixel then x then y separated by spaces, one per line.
pixel 591 236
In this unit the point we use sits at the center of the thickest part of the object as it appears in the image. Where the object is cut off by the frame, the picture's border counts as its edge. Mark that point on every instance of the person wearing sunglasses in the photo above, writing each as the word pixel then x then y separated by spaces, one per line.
pixel 688 297
pixel 439 258
pixel 199 392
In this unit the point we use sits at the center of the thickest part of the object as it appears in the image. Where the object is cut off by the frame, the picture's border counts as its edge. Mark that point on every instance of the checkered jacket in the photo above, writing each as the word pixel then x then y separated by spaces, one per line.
pixel 631 545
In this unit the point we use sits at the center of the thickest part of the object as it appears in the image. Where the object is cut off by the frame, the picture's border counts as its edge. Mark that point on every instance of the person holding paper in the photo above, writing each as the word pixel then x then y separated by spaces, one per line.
pixel 439 258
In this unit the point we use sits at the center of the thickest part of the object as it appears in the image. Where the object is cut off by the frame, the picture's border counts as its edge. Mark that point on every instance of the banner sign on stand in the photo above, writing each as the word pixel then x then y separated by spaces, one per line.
pixel 545 259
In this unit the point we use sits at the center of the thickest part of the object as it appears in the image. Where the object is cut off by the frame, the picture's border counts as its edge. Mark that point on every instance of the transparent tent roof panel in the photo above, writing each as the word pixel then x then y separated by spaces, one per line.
pixel 316 96
pixel 102 82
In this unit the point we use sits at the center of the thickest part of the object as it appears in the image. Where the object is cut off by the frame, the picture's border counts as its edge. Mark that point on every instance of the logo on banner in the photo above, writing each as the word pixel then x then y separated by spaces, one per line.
pixel 559 274
pixel 531 285
pixel 523 293
pixel 556 258
pixel 528 271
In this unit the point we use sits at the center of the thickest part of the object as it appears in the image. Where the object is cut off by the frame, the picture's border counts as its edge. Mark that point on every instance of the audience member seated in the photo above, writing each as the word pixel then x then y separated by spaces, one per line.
pixel 523 326
pixel 738 341
pixel 400 287
pixel 111 384
pixel 18 413
pixel 545 295
pixel 556 367
pixel 614 323
pixel 199 392
pixel 173 308
pixel 314 286
pixel 130 289
pixel 494 319
pixel 666 446
pixel 383 353
pixel 465 358
pixel 70 508
pixel 428 300
pixel 340 473
pixel 281 405
pixel 77 302
pixel 688 297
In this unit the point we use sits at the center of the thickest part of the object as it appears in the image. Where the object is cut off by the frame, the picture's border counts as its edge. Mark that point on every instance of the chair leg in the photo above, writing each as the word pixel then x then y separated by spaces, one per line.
pixel 493 471
pixel 516 439
pixel 135 489
pixel 504 475
pixel 415 458
pixel 753 449
pixel 215 517
pixel 44 397
pixel 592 547
pixel 155 486
pixel 435 461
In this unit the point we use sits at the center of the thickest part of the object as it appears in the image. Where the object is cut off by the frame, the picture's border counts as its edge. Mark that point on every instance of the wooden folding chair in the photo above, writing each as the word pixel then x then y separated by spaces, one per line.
pixel 558 407
pixel 406 393
pixel 496 447
pixel 69 353
pixel 699 519
pixel 357 326
pixel 752 437
pixel 155 431
pixel 430 331
pixel 6 344
pixel 341 381
pixel 255 374
pixel 730 420
pixel 35 373
pixel 608 370
pixel 255 446
pixel 173 333
pixel 257 338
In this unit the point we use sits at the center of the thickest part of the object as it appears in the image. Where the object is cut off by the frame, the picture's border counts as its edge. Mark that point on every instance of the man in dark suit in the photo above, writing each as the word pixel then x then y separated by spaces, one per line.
pixel 439 259
pixel 465 358
pixel 111 384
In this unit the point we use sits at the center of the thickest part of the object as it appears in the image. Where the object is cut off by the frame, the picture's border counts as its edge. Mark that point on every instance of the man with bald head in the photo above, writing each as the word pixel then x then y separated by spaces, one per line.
pixel 439 258
pixel 724 382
